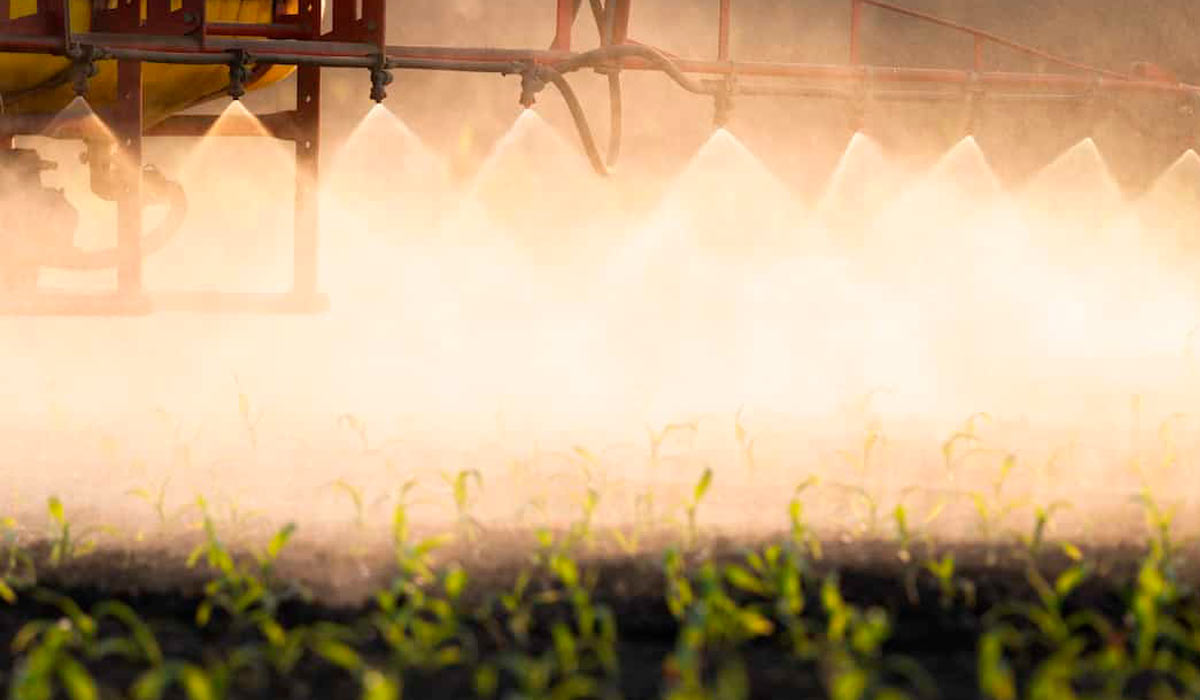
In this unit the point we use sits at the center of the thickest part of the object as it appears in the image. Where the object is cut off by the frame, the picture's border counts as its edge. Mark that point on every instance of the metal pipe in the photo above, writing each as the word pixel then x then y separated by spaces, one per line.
pixel 25 43
pixel 608 31
pixel 855 31
pixel 725 19
pixel 653 57
pixel 477 54
pixel 626 57
pixel 274 30
pixel 994 38
pixel 564 23
pixel 452 65
pixel 620 33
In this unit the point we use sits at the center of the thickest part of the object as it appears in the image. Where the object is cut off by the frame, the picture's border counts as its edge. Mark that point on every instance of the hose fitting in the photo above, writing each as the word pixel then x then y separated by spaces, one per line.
pixel 239 74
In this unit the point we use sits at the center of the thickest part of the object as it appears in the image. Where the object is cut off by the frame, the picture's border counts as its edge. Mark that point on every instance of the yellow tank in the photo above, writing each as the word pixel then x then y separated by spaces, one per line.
pixel 167 88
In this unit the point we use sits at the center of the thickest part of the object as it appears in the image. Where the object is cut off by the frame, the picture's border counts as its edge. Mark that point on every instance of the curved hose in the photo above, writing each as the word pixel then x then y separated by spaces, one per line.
pixel 599 57
pixel 55 81
pixel 616 119
pixel 581 123
pixel 164 190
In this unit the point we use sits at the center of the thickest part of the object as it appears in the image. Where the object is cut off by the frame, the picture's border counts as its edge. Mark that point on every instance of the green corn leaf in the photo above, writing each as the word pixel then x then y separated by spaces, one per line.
pixel 203 613
pixel 377 686
pixel 702 485
pixel 197 684
pixel 740 578
pixel 280 540
pixel 152 684
pixel 565 648
pixel 338 653
pixel 1069 581
pixel 455 583
pixel 1072 551
pixel 755 624
pixel 55 506
pixel 76 680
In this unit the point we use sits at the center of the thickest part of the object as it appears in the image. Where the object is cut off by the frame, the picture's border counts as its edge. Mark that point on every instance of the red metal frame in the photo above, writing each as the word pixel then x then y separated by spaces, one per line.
pixel 50 19
pixel 184 35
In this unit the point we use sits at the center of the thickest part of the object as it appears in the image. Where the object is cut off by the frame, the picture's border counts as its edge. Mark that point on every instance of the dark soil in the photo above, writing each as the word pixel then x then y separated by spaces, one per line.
pixel 939 636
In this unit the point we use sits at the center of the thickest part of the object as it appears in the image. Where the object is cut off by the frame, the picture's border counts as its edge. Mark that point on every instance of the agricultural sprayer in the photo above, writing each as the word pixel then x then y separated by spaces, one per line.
pixel 138 65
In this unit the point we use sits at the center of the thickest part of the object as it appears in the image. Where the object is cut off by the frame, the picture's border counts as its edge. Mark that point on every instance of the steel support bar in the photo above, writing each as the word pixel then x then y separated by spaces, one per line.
pixel 620 21
pixel 127 125
pixel 307 216
pixel 274 30
pixel 855 32
pixel 723 30
pixel 564 24
pixel 988 36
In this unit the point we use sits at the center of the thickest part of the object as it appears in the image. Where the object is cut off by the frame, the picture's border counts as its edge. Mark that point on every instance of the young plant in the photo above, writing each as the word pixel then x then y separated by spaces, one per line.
pixel 461 489
pixel 156 499
pixel 53 653
pixel 355 495
pixel 745 443
pixel 19 571
pixel 698 493
pixel 803 538
pixel 250 418
pixel 65 544
pixel 414 559
pixel 658 438
pixel 248 592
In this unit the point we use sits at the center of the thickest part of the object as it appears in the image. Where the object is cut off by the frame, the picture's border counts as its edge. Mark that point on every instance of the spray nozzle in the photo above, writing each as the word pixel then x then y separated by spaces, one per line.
pixel 380 79
pixel 975 93
pixel 723 102
pixel 83 68
pixel 239 74
pixel 861 99
pixel 532 82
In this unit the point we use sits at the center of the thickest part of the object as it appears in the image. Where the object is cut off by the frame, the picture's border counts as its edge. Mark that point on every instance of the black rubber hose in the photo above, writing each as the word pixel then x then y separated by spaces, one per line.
pixel 175 198
pixel 616 124
pixel 57 80
pixel 616 118
pixel 581 123
pixel 599 57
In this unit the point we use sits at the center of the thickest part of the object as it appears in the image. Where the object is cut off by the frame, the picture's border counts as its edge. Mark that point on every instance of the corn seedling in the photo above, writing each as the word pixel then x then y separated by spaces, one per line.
pixel 803 538
pixel 53 653
pixel 248 593
pixel 19 571
pixel 65 542
pixel 461 488
pixel 250 418
pixel 745 443
pixel 355 495
pixel 698 492
pixel 414 559
pixel 658 438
